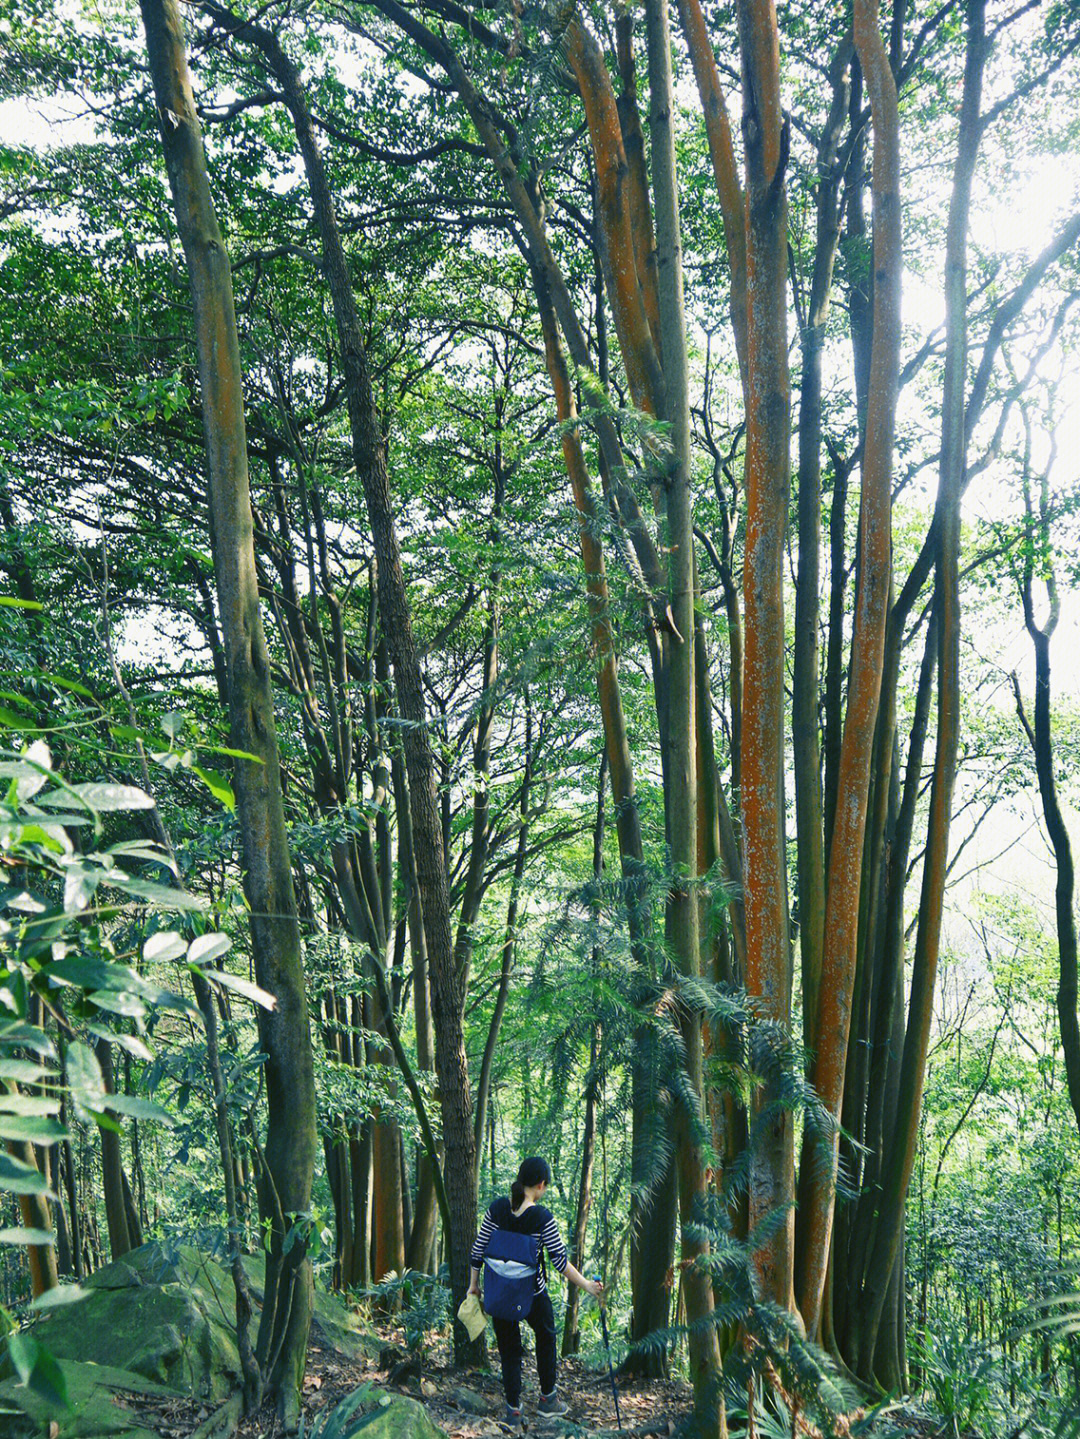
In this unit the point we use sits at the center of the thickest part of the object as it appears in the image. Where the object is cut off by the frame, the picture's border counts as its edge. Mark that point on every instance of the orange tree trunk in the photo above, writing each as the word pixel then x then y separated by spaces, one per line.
pixel 34 1210
pixel 768 402
pixel 829 1038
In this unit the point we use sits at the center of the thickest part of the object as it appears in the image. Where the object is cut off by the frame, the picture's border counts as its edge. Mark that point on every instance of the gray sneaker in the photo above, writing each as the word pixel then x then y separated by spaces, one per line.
pixel 512 1422
pixel 551 1406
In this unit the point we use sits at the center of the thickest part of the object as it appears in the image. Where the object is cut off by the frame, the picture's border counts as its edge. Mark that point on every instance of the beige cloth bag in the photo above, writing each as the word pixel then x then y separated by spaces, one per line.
pixel 472 1315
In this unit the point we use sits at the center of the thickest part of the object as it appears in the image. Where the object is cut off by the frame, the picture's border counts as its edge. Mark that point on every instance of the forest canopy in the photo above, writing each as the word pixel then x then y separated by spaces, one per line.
pixel 538 606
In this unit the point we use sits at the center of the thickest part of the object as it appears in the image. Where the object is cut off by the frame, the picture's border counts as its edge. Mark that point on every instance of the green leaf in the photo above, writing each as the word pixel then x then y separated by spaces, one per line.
pixel 11 603
pixel 241 986
pixel 126 732
pixel 159 895
pixel 101 795
pixel 218 786
pixel 65 684
pixel 80 885
pixel 38 1370
pixel 38 1131
pixel 208 947
pixel 130 1042
pixel 166 944
pixel 57 1298
pixel 231 753
pixel 128 1005
pixel 52 838
pixel 22 1351
pixel 14 721
pixel 23 1071
pixel 19 1178
pixel 20 1235
pixel 16 1031
pixel 145 849
pixel 89 972
pixel 15 1103
pixel 138 1108
pixel 84 1076
pixel 31 771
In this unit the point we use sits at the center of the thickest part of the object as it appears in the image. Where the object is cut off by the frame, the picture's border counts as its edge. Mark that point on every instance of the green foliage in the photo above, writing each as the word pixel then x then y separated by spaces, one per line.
pixel 339 1422
pixel 965 1382
pixel 420 1302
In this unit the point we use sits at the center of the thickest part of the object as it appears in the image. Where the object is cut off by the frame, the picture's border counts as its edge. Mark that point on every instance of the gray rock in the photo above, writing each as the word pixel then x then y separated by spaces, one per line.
pixel 470 1402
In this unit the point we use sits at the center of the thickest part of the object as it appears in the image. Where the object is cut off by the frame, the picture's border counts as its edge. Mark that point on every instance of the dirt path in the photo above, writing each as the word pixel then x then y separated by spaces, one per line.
pixel 468 1405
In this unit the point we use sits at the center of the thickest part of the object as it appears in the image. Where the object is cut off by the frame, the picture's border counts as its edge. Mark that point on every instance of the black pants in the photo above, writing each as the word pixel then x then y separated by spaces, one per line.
pixel 541 1319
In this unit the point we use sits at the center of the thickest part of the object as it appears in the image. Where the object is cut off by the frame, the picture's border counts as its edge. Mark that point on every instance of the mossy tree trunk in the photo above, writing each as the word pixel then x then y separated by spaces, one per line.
pixel 291 1136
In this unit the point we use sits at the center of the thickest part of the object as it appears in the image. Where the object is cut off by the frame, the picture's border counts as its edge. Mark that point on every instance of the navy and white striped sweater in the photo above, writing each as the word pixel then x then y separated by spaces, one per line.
pixel 534 1220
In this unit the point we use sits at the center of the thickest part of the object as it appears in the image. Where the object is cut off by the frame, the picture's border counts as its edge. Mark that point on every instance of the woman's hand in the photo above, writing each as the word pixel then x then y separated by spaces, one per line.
pixel 594 1287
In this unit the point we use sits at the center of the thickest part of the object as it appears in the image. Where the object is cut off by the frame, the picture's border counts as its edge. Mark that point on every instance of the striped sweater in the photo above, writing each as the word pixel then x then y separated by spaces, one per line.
pixel 534 1220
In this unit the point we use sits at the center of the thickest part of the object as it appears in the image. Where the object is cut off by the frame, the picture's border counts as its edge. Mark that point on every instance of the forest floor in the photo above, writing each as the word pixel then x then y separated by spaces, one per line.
pixel 465 1404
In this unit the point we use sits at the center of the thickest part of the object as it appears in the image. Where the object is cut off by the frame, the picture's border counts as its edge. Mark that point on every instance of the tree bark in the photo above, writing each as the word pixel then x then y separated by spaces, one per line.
pixel 370 458
pixel 768 392
pixel 571 1340
pixel 652 1231
pixel 249 1368
pixel 691 1131
pixel 845 861
pixel 509 946
pixel 285 1033
pixel 34 1210
pixel 897 1170
pixel 1040 737
pixel 112 1166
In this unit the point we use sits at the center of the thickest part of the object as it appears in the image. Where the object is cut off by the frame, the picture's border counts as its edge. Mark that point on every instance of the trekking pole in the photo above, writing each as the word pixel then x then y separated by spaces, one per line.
pixel 610 1369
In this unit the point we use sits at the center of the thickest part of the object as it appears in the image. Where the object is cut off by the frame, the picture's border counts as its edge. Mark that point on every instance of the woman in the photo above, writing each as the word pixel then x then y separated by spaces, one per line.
pixel 522 1213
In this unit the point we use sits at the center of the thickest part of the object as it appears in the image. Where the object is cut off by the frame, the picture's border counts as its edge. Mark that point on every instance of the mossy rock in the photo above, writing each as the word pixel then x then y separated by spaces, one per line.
pixel 166 1314
pixel 98 1398
pixel 371 1413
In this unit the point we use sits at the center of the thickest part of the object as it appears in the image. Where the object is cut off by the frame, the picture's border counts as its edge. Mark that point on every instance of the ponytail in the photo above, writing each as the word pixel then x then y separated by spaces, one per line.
pixel 533 1171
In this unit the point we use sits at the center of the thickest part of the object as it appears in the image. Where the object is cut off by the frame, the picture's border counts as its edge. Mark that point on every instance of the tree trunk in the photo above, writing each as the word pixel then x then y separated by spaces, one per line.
pixel 833 1010
pixel 249 1368
pixel 691 1131
pixel 422 1232
pixel 571 1340
pixel 285 1033
pixel 897 1170
pixel 34 1210
pixel 369 456
pixel 1041 740
pixel 360 1154
pixel 652 1229
pixel 112 1166
pixel 768 953
pixel 509 946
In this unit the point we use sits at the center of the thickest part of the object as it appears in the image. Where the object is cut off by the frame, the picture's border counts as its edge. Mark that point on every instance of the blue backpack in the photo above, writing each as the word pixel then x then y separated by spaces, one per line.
pixel 510 1263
